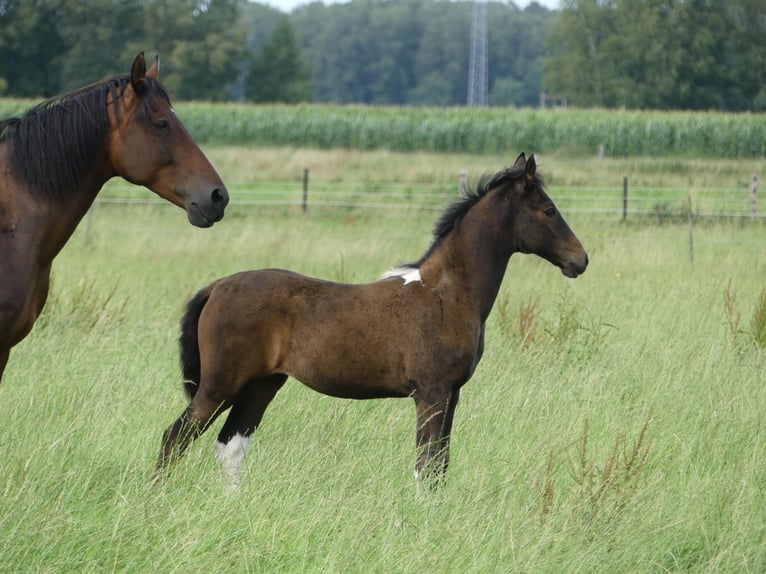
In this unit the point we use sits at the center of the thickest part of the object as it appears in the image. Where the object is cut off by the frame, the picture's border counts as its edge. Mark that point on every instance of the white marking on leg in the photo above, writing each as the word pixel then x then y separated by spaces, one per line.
pixel 409 274
pixel 230 456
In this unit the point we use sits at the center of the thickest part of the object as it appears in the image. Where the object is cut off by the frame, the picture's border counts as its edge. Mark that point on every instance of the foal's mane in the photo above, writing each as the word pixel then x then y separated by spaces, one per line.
pixel 452 216
pixel 53 145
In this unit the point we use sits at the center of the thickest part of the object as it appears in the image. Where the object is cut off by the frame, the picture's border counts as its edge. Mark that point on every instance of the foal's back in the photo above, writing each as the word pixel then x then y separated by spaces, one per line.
pixel 353 341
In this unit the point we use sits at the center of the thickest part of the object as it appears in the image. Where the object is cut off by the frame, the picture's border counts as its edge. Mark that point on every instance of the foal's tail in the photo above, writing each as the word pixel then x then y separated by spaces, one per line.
pixel 189 342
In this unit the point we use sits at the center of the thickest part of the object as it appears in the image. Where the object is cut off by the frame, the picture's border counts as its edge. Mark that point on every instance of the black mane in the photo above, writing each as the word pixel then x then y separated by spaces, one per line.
pixel 452 216
pixel 53 145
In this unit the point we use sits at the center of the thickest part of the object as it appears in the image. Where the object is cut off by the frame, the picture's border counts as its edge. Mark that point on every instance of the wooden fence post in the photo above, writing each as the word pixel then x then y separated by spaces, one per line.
pixel 305 203
pixel 624 198
pixel 753 190
pixel 691 231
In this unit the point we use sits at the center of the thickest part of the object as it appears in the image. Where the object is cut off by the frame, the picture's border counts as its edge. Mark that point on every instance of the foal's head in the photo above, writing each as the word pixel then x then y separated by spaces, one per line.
pixel 538 226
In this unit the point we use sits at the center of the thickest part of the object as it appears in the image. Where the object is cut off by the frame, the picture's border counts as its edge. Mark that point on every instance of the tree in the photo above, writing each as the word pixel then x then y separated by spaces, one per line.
pixel 31 47
pixel 201 45
pixel 278 73
pixel 97 33
pixel 667 54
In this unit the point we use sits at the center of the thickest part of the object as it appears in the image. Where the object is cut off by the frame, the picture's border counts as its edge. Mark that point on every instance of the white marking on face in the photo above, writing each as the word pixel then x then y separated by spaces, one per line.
pixel 230 456
pixel 409 274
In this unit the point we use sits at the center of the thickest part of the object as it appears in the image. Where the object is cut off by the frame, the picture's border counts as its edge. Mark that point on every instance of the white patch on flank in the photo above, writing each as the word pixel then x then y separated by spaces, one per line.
pixel 230 456
pixel 409 274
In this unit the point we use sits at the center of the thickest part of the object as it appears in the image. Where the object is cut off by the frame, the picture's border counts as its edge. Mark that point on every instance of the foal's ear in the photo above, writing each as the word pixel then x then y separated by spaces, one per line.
pixel 529 173
pixel 521 161
pixel 138 73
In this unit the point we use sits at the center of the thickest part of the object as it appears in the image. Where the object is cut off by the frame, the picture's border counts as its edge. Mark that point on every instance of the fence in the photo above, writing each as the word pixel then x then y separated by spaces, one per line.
pixel 621 200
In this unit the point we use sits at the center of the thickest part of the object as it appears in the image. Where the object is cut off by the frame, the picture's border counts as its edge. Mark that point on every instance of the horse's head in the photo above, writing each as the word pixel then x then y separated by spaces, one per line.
pixel 539 227
pixel 148 145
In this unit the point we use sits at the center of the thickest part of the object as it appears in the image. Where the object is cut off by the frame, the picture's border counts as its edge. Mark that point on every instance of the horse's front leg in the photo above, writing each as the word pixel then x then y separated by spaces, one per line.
pixel 435 411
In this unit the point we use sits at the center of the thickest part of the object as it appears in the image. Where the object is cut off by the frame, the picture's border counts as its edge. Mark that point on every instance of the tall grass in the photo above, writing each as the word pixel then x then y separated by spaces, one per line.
pixel 611 426
pixel 472 130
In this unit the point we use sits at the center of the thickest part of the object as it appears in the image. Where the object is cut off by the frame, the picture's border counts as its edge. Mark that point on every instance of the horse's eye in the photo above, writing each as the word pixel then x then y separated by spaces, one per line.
pixel 161 124
pixel 550 212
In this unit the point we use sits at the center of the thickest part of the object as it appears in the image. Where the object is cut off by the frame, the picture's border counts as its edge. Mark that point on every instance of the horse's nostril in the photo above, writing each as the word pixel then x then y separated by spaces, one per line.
pixel 218 195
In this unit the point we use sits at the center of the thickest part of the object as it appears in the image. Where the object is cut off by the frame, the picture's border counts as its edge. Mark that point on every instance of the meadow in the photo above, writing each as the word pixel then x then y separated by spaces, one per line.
pixel 615 423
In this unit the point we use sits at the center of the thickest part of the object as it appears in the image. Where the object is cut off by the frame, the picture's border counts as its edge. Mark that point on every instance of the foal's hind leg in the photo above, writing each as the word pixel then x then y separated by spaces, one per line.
pixel 244 418
pixel 195 419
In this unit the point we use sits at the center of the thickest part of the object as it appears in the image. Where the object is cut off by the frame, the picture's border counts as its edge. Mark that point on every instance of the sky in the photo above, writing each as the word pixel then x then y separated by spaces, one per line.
pixel 288 5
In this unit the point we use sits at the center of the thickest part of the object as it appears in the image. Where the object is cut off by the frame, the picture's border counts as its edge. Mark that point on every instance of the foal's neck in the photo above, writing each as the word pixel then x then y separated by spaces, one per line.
pixel 471 262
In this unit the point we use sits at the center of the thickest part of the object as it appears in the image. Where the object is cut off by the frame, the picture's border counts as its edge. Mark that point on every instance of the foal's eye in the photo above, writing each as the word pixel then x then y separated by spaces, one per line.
pixel 550 212
pixel 161 124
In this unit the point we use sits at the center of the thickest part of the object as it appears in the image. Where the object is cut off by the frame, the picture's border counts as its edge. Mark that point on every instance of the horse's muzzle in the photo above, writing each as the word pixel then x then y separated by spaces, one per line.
pixel 206 212
pixel 574 268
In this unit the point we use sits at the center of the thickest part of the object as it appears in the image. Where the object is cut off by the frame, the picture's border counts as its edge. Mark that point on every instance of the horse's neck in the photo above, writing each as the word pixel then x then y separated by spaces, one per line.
pixel 469 265
pixel 61 216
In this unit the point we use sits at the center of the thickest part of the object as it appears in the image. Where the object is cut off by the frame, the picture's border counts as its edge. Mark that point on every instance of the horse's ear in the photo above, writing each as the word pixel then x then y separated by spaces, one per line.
pixel 154 69
pixel 521 161
pixel 138 73
pixel 529 172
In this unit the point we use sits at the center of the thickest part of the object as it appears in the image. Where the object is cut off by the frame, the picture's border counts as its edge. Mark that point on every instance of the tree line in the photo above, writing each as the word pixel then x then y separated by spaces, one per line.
pixel 659 54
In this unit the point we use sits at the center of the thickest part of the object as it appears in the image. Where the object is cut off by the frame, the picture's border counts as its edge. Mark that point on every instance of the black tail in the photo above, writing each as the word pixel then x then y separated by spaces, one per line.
pixel 189 342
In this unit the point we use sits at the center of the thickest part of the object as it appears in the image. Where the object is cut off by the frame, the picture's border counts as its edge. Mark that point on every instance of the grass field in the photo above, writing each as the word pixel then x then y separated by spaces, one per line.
pixel 615 424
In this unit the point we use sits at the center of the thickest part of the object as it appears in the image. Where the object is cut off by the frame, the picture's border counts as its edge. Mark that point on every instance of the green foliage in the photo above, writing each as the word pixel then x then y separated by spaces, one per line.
pixel 733 317
pixel 617 53
pixel 473 130
pixel 31 43
pixel 277 73
pixel 758 323
pixel 661 55
pixel 486 130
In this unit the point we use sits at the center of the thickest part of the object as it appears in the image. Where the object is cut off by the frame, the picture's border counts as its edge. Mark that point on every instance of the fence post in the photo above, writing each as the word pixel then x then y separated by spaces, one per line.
pixel 305 203
pixel 624 198
pixel 753 190
pixel 691 231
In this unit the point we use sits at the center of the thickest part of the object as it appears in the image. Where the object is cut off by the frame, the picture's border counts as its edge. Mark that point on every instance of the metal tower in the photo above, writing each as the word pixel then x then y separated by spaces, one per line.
pixel 477 68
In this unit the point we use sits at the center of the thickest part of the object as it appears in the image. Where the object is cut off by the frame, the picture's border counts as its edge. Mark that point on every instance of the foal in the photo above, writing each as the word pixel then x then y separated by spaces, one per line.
pixel 418 332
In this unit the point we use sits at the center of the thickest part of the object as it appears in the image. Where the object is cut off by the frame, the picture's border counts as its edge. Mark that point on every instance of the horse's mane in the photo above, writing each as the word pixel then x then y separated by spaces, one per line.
pixel 452 216
pixel 53 145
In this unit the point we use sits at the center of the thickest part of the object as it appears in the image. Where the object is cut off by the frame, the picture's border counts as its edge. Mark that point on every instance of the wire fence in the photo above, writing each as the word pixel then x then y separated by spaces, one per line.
pixel 620 201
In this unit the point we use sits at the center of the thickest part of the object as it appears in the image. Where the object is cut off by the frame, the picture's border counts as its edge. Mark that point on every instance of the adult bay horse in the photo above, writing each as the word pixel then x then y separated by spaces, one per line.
pixel 55 158
pixel 417 332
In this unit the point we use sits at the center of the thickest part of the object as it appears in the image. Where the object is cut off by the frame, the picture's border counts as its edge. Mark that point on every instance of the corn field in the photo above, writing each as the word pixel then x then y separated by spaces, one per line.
pixel 473 130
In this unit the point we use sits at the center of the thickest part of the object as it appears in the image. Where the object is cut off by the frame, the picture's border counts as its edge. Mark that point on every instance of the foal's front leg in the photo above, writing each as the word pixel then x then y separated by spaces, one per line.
pixel 435 411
